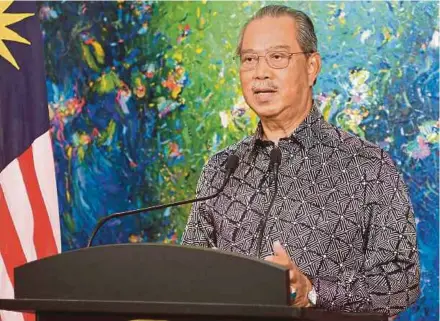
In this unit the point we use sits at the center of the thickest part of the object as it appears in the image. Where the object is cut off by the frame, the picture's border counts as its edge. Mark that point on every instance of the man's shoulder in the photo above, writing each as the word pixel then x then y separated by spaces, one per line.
pixel 239 148
pixel 354 145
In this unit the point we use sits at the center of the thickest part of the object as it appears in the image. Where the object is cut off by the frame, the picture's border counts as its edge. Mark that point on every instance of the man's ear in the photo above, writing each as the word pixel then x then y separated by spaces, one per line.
pixel 313 67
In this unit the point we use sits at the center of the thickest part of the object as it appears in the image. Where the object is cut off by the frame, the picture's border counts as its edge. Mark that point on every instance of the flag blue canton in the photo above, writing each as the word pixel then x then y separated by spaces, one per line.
pixel 23 100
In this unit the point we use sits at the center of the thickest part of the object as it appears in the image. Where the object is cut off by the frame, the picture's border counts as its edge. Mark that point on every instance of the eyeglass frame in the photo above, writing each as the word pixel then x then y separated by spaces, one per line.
pixel 290 54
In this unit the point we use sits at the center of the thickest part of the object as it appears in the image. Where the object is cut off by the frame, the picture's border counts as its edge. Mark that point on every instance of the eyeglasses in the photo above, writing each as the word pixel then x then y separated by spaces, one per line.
pixel 275 59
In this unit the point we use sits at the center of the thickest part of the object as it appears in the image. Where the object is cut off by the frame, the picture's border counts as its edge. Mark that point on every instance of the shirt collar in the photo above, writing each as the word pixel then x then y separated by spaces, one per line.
pixel 304 135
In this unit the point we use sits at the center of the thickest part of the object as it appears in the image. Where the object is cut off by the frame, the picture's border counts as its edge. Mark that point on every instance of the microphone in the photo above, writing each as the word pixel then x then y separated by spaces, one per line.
pixel 275 161
pixel 231 166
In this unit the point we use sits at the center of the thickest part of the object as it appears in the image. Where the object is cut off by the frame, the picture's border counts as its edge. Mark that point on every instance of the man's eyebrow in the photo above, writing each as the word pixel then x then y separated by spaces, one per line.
pixel 280 47
pixel 269 49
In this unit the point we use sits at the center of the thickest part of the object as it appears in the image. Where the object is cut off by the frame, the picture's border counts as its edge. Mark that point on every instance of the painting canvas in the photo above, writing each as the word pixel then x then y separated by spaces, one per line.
pixel 141 94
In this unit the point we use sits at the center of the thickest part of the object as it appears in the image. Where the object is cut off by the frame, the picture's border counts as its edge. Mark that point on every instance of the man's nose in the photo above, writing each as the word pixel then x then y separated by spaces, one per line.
pixel 262 69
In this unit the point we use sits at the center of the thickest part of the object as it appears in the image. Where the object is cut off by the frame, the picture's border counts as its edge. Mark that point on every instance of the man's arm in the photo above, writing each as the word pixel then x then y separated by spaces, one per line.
pixel 388 281
pixel 199 230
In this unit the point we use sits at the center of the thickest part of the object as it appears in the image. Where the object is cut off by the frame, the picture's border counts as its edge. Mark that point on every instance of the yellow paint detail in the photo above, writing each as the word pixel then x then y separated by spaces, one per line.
pixel 7 19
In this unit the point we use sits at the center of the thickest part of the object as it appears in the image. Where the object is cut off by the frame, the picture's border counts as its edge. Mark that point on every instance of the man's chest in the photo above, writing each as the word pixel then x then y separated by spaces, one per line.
pixel 319 204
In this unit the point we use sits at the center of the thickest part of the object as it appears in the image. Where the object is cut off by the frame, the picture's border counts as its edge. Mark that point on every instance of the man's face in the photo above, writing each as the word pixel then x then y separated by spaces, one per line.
pixel 275 93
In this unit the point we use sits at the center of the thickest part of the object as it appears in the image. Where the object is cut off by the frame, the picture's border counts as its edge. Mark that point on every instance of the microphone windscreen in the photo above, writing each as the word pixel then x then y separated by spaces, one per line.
pixel 275 155
pixel 232 162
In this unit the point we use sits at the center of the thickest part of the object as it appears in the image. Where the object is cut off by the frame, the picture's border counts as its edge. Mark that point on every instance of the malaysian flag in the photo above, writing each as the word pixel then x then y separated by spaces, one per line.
pixel 29 220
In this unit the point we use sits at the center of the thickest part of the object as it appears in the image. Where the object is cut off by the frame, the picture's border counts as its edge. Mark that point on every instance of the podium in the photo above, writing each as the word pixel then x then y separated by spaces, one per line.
pixel 158 282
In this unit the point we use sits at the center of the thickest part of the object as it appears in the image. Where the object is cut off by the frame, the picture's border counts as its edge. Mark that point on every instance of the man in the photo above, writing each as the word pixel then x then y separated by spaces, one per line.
pixel 336 212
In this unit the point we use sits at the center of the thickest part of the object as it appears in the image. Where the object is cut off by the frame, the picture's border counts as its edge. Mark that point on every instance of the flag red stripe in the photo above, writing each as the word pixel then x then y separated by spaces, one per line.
pixel 44 240
pixel 10 246
pixel 29 316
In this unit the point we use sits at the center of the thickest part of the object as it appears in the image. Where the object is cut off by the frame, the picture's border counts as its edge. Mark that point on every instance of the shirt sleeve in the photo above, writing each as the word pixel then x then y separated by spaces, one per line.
pixel 199 230
pixel 388 281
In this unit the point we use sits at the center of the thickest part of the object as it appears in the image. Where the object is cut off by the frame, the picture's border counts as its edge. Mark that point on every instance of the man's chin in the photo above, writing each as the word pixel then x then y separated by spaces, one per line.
pixel 267 111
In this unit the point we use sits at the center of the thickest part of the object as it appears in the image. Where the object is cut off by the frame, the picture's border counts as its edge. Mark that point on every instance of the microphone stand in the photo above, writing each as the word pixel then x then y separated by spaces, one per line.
pixel 275 159
pixel 231 165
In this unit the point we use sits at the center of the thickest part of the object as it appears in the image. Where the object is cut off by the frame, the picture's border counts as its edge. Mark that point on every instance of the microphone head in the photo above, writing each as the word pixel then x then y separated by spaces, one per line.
pixel 232 163
pixel 275 155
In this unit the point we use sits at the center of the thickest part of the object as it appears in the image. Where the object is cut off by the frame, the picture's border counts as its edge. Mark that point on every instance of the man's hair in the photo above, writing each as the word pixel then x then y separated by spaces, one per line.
pixel 305 34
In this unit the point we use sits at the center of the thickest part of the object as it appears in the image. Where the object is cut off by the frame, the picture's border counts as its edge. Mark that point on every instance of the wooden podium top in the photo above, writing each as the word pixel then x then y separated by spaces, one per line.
pixel 69 310
pixel 139 281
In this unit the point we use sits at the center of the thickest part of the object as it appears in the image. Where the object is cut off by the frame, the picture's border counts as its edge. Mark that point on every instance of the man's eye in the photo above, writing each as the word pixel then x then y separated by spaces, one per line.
pixel 248 59
pixel 277 56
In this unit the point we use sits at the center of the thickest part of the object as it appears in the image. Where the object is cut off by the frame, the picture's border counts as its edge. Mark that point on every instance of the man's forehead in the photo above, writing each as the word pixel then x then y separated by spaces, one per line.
pixel 270 48
pixel 270 32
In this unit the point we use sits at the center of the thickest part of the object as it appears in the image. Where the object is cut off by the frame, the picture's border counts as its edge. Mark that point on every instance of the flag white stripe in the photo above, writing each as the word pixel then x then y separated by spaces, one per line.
pixel 45 170
pixel 17 200
pixel 7 292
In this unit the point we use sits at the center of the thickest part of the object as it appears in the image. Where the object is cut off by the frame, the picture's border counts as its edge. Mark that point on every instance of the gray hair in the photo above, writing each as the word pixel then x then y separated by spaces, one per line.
pixel 306 36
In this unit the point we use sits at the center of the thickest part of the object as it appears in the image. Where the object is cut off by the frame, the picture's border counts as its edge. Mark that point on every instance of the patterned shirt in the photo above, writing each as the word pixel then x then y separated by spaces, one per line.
pixel 341 211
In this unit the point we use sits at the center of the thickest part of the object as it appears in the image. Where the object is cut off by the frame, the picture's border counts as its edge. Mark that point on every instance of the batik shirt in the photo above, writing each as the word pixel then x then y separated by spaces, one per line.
pixel 341 210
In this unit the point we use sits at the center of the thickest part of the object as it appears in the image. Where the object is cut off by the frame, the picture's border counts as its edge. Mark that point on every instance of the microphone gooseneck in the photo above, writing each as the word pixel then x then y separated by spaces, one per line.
pixel 275 161
pixel 231 165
